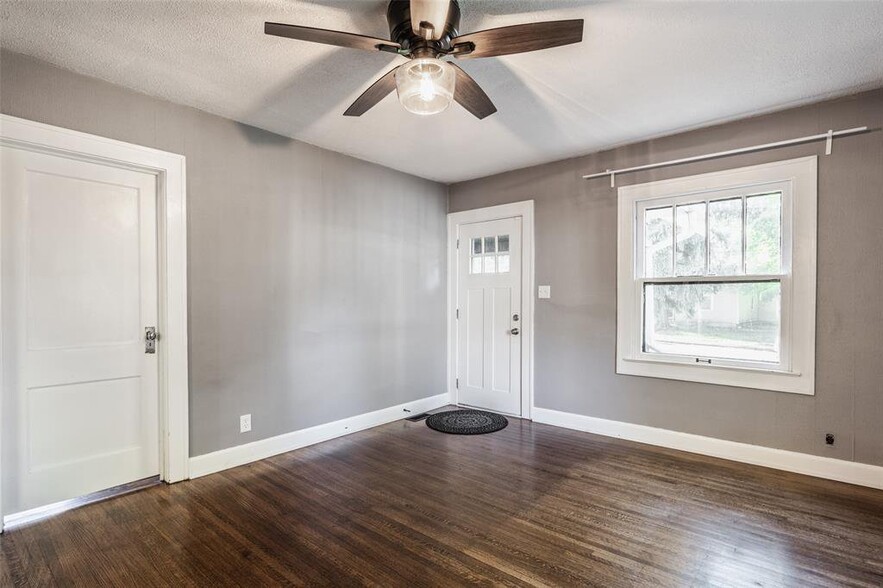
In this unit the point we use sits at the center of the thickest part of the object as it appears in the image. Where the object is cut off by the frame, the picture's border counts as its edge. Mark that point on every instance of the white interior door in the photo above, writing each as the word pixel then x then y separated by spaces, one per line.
pixel 489 315
pixel 79 286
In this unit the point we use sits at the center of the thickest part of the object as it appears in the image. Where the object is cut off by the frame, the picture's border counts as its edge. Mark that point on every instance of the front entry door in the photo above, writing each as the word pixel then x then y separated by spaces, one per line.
pixel 80 395
pixel 489 315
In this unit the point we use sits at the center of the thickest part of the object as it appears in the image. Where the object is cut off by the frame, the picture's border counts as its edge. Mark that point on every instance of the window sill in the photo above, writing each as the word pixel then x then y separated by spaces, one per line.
pixel 706 366
pixel 794 382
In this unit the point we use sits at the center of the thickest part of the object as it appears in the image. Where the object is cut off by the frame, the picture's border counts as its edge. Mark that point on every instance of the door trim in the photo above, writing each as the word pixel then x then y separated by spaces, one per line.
pixel 170 172
pixel 525 210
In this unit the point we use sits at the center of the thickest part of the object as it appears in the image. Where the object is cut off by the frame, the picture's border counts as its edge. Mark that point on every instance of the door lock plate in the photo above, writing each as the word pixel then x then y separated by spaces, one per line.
pixel 150 338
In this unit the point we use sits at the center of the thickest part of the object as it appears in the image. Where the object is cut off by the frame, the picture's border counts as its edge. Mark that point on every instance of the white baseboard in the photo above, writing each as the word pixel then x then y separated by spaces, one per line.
pixel 217 461
pixel 812 465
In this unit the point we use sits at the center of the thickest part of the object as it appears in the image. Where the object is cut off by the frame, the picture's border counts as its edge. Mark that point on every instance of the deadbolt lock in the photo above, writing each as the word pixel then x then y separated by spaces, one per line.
pixel 515 317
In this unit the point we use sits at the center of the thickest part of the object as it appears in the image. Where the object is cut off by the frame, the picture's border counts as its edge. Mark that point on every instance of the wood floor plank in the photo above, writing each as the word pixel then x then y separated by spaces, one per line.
pixel 402 505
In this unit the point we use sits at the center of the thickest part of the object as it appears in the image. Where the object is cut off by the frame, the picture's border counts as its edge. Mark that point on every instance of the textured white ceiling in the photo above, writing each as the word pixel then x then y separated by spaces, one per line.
pixel 643 70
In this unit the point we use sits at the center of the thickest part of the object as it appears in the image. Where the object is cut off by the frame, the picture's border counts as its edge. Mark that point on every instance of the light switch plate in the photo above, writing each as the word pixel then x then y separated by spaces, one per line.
pixel 545 292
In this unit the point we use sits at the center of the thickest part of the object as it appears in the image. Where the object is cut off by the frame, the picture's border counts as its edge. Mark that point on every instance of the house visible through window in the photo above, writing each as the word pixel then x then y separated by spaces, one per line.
pixel 688 249
pixel 717 277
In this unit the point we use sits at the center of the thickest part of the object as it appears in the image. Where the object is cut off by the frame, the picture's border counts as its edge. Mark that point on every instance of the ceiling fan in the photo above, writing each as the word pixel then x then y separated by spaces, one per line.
pixel 426 31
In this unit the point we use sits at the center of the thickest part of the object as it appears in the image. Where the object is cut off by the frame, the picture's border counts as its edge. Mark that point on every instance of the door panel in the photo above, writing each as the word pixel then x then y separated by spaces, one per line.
pixel 56 435
pixel 80 396
pixel 501 353
pixel 84 233
pixel 474 320
pixel 488 300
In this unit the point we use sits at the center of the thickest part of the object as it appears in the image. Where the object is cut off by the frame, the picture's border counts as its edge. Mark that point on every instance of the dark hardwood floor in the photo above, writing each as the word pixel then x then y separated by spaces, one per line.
pixel 402 505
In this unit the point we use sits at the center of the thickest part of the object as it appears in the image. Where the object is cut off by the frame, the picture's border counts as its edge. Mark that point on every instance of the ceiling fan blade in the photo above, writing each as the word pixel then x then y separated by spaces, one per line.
pixel 370 97
pixel 520 38
pixel 432 12
pixel 470 96
pixel 338 38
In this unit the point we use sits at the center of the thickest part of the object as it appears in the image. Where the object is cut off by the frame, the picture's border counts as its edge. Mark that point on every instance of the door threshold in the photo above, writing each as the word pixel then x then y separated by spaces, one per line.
pixel 42 512
pixel 508 414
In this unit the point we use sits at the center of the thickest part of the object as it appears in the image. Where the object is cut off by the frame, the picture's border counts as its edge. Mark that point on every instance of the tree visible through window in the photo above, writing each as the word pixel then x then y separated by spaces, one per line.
pixel 688 248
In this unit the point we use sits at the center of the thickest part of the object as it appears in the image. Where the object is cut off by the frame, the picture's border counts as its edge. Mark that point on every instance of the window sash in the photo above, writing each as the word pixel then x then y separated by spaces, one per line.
pixel 706 196
pixel 784 363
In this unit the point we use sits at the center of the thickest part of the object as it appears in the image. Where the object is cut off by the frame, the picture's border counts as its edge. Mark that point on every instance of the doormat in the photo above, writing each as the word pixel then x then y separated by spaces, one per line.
pixel 467 422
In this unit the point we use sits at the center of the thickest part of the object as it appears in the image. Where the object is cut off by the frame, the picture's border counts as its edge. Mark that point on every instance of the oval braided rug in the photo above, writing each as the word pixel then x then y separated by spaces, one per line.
pixel 466 422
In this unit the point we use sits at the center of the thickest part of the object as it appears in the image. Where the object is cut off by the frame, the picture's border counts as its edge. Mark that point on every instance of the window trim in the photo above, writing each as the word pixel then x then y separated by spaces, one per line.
pixel 797 179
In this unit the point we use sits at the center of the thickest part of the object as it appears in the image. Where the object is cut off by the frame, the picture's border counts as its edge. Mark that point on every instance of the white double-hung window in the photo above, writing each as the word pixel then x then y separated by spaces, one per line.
pixel 717 277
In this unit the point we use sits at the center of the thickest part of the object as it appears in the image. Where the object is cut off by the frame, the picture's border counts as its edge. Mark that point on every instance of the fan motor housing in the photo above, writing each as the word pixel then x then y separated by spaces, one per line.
pixel 398 15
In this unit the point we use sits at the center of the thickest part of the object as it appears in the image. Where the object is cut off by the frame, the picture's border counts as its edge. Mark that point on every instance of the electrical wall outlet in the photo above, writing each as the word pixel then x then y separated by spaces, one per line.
pixel 245 423
pixel 829 438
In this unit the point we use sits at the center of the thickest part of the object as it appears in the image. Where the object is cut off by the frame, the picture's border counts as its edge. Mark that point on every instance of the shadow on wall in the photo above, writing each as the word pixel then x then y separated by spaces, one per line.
pixel 257 136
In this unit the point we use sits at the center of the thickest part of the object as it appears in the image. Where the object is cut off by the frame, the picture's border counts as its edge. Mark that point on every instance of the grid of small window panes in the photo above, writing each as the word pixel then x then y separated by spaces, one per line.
pixel 489 255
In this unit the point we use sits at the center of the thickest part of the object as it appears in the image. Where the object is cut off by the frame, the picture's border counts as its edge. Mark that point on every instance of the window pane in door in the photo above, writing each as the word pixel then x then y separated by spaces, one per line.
pixel 476 265
pixel 502 264
pixel 763 225
pixel 503 243
pixel 657 242
pixel 739 321
pixel 476 246
pixel 489 245
pixel 690 253
pixel 725 237
pixel 489 265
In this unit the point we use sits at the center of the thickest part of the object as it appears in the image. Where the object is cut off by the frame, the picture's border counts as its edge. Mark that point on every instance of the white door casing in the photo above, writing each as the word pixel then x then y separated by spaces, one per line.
pixel 80 283
pixel 490 350
pixel 163 175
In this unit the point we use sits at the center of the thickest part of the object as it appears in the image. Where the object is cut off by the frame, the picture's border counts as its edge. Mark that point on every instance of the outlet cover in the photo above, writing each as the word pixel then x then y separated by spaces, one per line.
pixel 545 292
pixel 245 423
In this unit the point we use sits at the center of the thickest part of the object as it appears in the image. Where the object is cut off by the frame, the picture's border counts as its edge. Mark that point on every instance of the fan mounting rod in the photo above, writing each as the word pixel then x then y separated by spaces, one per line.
pixel 424 38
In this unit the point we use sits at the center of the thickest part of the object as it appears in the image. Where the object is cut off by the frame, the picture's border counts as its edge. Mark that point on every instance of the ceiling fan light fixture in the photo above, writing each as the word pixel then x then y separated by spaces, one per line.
pixel 426 31
pixel 425 86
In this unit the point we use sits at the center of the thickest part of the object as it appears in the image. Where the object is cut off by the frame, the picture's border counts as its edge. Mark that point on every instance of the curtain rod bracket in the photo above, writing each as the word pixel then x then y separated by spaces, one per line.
pixel 829 142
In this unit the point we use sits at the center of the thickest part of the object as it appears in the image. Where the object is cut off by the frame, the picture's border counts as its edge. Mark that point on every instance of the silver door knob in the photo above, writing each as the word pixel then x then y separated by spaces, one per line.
pixel 150 337
pixel 514 331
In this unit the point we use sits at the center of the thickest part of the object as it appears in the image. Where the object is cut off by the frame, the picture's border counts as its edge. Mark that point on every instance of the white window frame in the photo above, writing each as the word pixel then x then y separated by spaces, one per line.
pixel 797 180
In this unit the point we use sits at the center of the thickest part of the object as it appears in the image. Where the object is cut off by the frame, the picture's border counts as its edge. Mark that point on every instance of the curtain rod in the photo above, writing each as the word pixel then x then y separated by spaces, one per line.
pixel 829 136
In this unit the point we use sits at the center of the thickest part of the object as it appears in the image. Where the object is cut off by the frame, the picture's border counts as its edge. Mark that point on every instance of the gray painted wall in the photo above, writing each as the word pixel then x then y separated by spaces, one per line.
pixel 317 281
pixel 576 254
